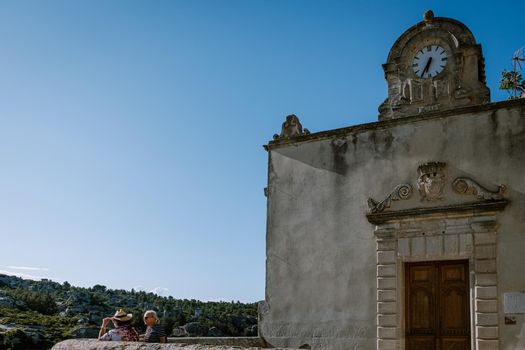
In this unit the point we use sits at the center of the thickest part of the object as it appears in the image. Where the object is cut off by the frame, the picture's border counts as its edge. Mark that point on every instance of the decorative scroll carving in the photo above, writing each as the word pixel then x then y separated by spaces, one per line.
pixel 291 128
pixel 403 191
pixel 431 181
pixel 465 185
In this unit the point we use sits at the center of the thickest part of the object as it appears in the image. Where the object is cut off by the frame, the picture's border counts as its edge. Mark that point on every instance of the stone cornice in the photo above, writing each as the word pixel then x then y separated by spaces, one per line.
pixel 456 210
pixel 385 124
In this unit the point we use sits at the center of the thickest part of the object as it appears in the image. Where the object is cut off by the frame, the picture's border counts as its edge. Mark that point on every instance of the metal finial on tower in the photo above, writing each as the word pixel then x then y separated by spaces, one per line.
pixel 518 86
pixel 428 15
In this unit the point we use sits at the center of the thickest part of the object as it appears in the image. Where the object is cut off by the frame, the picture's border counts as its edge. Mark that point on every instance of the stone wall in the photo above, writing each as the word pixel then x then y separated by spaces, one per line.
pixel 95 344
pixel 245 342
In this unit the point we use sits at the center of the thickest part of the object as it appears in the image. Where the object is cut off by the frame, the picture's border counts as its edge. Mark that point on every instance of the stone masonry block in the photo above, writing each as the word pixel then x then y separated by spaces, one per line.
pixel 387 320
pixel 434 245
pixel 383 344
pixel 485 251
pixel 486 319
pixel 386 270
pixel 488 344
pixel 486 279
pixel 386 283
pixel 487 332
pixel 465 244
pixel 385 233
pixel 484 226
pixel 485 266
pixel 386 245
pixel 490 293
pixel 387 332
pixel 386 257
pixel 451 244
pixel 483 219
pixel 403 247
pixel 457 229
pixel 386 295
pixel 389 307
pixel 417 246
pixel 485 238
pixel 486 306
pixel 458 221
pixel 390 226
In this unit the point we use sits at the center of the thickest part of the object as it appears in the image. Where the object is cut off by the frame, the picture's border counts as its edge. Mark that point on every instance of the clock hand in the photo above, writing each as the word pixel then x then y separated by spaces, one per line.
pixel 427 66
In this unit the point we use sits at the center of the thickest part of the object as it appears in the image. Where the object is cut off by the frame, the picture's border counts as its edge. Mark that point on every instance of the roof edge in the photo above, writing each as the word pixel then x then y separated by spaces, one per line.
pixel 328 134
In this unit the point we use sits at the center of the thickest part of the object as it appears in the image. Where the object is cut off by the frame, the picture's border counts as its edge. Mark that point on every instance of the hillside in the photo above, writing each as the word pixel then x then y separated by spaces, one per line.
pixel 37 314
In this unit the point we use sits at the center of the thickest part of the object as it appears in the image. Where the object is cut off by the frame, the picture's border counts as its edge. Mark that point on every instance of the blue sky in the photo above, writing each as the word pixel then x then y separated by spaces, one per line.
pixel 131 131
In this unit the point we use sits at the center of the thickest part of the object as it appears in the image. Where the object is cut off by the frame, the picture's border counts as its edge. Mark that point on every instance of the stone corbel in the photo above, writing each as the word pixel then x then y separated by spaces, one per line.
pixel 465 185
pixel 403 191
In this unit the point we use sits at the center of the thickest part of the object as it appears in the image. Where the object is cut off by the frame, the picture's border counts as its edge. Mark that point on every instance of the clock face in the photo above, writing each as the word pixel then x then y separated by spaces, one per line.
pixel 430 61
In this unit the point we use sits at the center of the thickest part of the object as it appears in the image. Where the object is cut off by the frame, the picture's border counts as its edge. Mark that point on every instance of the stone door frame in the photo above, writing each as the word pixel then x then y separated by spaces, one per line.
pixel 451 233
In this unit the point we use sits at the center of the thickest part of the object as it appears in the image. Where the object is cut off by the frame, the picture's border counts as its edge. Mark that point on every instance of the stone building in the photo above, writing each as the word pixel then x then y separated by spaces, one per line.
pixel 409 232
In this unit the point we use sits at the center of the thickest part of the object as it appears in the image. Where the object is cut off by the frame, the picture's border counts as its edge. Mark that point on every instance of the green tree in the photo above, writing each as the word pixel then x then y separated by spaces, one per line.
pixel 66 286
pixel 513 83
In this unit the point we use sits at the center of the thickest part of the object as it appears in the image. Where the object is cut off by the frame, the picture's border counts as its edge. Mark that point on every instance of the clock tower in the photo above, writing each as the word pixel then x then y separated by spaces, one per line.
pixel 435 65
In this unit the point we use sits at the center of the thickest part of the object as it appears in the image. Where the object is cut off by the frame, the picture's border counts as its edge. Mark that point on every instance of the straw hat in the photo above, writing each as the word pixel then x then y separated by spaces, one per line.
pixel 121 315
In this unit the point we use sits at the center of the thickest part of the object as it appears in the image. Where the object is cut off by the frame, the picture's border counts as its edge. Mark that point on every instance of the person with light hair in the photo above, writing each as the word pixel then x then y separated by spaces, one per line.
pixel 154 331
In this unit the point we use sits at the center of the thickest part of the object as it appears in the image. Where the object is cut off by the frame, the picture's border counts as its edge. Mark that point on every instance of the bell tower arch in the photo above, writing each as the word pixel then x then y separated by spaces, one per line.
pixel 435 65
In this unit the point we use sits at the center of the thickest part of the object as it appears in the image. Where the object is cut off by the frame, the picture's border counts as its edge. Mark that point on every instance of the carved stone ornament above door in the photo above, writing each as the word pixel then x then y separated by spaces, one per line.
pixel 431 184
pixel 431 181
pixel 465 185
pixel 403 191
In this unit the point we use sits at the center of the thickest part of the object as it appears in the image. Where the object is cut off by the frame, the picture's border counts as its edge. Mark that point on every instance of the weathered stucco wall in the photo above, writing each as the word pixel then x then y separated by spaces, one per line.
pixel 321 250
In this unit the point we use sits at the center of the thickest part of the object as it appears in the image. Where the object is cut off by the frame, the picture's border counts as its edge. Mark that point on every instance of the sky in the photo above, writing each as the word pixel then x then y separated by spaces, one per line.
pixel 131 132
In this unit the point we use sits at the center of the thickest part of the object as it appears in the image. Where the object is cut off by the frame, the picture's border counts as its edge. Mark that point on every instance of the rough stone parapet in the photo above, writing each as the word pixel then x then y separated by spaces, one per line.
pixel 246 342
pixel 95 344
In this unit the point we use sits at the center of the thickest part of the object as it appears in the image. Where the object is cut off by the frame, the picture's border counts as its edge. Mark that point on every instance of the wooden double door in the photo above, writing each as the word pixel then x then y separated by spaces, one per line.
pixel 437 305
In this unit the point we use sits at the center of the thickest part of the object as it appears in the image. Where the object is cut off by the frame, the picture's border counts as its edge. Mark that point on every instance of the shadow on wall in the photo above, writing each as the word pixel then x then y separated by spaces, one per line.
pixel 520 345
pixel 339 154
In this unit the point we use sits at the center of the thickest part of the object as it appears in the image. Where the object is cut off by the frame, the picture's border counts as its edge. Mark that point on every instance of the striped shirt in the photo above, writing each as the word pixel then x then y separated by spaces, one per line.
pixel 153 334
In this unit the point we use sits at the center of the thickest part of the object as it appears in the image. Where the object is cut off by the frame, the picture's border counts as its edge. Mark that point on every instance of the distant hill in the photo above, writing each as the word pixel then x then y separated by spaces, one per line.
pixel 37 314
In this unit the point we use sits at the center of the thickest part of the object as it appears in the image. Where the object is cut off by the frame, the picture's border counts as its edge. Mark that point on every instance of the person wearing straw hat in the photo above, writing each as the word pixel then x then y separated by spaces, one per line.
pixel 123 330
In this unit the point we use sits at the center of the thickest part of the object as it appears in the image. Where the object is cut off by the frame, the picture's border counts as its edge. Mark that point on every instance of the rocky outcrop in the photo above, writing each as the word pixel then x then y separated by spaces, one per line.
pixel 215 332
pixel 8 301
pixel 195 329
pixel 23 337
pixel 93 344
pixel 179 332
pixel 84 332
